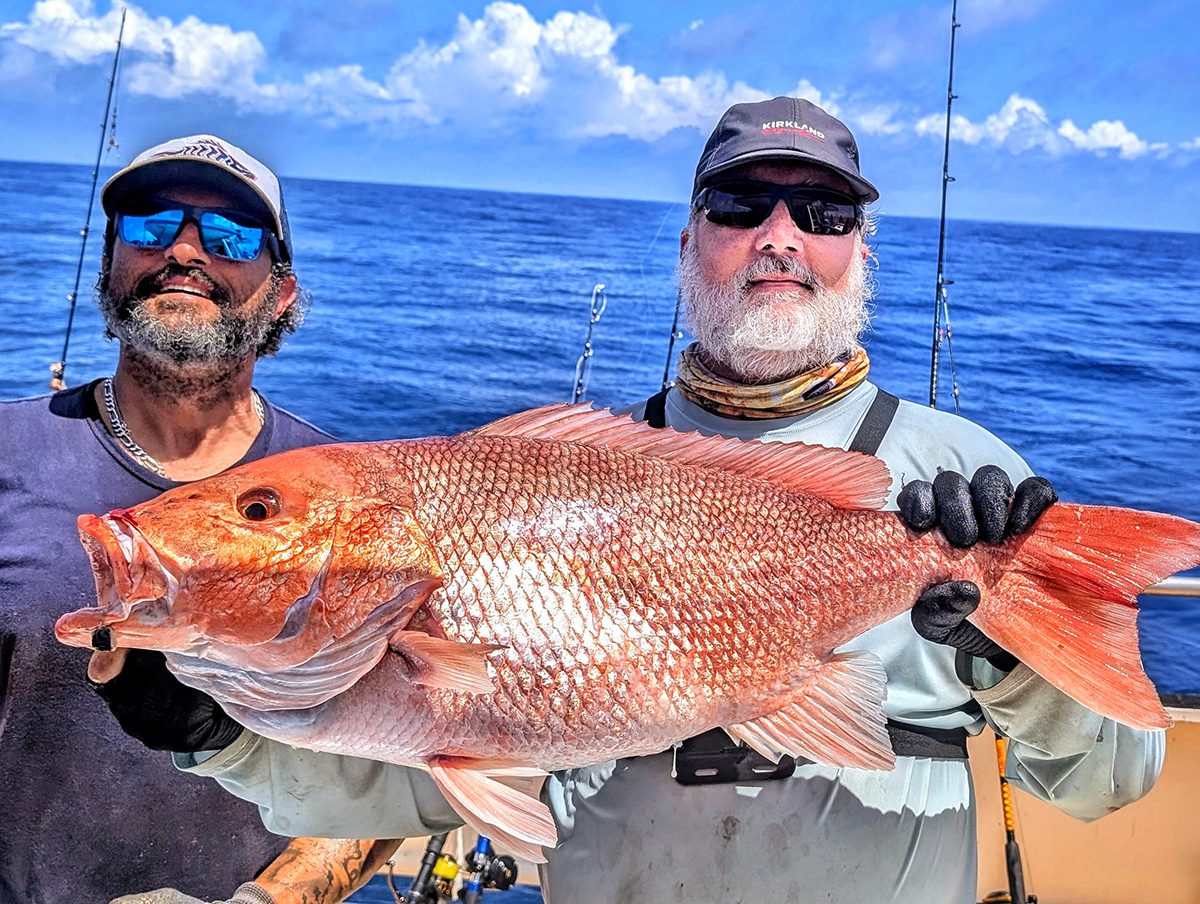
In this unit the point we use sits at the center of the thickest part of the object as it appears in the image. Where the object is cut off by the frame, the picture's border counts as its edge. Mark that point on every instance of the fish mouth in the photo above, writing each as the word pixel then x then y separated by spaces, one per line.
pixel 135 589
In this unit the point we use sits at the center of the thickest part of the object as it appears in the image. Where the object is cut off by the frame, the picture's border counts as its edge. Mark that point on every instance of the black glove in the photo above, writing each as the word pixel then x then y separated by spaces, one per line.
pixel 986 508
pixel 941 614
pixel 153 706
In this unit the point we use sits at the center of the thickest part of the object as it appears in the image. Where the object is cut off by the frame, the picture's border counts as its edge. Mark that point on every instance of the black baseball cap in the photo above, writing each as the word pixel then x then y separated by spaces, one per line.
pixel 782 128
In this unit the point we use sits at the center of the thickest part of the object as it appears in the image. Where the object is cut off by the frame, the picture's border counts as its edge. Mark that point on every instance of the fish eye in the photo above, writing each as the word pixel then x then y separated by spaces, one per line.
pixel 258 504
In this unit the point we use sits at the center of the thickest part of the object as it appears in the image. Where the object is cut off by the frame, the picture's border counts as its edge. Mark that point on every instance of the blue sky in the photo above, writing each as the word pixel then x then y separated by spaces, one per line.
pixel 1069 112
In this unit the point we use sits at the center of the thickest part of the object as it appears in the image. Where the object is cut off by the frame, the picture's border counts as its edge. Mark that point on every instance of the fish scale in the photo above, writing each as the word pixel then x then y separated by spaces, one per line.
pixel 681 687
pixel 564 587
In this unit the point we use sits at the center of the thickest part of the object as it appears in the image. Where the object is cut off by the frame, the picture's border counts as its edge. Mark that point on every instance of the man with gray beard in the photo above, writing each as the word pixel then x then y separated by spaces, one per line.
pixel 196 284
pixel 773 270
pixel 773 273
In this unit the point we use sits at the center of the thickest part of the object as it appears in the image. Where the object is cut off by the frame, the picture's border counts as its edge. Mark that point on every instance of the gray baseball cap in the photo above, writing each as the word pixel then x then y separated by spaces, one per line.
pixel 210 162
pixel 783 128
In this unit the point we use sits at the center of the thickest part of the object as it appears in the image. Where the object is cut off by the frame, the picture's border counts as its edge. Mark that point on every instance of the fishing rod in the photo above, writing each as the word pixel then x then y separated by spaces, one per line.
pixel 941 302
pixel 583 366
pixel 59 367
pixel 1012 850
pixel 676 333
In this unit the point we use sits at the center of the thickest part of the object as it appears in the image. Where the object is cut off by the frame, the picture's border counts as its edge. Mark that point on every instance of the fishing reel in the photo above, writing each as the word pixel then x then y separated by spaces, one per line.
pixel 488 870
pixel 434 882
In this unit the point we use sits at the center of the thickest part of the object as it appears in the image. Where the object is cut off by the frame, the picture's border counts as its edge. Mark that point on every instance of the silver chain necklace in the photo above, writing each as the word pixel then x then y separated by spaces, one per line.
pixel 121 430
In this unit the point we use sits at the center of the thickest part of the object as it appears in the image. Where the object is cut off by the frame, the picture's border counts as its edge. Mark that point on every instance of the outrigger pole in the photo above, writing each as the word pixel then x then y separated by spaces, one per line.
pixel 58 368
pixel 940 302
pixel 941 309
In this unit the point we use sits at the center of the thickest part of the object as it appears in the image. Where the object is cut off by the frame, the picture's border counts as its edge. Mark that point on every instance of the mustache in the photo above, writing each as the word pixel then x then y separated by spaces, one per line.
pixel 770 265
pixel 156 282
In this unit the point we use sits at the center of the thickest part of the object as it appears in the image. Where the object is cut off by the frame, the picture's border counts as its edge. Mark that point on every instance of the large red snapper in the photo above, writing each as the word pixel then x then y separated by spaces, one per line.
pixel 563 587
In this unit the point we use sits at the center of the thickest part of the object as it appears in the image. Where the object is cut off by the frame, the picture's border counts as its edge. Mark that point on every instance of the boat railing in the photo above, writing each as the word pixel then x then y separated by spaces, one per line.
pixel 1183 707
pixel 1175 586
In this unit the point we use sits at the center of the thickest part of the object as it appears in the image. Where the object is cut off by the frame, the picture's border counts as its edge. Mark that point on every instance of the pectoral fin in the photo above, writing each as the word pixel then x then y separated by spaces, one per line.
pixel 516 823
pixel 836 719
pixel 438 662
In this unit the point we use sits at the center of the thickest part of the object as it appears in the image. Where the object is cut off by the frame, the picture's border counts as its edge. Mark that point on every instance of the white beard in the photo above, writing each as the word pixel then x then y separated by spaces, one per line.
pixel 780 337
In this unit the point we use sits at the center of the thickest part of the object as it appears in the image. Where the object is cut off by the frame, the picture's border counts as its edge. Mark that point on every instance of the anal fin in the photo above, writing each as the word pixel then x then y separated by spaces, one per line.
pixel 836 719
pixel 515 822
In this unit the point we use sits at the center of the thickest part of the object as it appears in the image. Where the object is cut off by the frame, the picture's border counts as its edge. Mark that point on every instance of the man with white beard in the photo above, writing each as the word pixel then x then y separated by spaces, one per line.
pixel 773 269
pixel 773 272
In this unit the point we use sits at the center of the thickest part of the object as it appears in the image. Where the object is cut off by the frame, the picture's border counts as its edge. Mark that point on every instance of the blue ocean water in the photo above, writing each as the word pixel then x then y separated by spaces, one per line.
pixel 435 310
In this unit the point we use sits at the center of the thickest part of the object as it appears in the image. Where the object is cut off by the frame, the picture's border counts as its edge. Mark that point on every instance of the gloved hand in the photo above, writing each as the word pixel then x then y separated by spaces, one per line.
pixel 153 706
pixel 248 893
pixel 986 508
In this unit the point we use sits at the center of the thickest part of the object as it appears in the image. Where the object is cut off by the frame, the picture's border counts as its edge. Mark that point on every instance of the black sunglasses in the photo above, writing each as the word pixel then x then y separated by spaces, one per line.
pixel 748 202
pixel 229 234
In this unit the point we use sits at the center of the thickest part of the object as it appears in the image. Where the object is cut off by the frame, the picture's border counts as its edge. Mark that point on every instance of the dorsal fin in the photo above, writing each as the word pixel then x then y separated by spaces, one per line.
pixel 846 480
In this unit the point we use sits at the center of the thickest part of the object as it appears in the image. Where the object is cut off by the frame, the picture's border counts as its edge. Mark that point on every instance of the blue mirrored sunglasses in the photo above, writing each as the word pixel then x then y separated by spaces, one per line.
pixel 228 234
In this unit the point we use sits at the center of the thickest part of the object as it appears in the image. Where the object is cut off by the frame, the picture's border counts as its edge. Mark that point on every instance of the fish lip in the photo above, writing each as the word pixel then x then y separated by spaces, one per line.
pixel 132 581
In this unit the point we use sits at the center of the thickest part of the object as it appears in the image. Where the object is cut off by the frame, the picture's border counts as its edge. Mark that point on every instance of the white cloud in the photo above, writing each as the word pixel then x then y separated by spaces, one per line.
pixel 877 120
pixel 505 71
pixel 66 31
pixel 560 76
pixel 161 58
pixel 1022 124
pixel 1105 135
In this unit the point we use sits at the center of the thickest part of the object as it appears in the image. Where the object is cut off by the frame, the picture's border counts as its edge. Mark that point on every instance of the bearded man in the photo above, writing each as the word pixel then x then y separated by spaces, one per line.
pixel 196 284
pixel 773 273
pixel 773 269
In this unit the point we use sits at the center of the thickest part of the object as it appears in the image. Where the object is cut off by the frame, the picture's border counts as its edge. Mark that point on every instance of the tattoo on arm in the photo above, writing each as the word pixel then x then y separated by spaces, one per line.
pixel 324 870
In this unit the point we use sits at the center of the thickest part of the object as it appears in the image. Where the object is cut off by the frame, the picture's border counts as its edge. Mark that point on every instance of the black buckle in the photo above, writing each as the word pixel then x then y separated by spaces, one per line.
pixel 713 758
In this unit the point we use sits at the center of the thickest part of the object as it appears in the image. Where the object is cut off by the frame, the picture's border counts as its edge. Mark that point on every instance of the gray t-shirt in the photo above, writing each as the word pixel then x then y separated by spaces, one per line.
pixel 88 812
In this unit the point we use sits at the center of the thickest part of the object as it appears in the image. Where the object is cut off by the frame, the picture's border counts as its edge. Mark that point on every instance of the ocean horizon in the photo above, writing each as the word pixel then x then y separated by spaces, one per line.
pixel 107 170
pixel 435 310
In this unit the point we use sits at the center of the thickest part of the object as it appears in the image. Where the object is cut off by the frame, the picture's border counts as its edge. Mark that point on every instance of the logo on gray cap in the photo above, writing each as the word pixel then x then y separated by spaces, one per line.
pixel 209 149
pixel 787 125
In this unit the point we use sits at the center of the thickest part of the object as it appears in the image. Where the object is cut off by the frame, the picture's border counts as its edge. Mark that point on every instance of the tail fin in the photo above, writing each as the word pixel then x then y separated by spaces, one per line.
pixel 1066 605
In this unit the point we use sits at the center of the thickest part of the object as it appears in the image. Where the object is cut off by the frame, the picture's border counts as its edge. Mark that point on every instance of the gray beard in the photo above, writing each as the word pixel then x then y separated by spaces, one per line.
pixel 231 339
pixel 797 331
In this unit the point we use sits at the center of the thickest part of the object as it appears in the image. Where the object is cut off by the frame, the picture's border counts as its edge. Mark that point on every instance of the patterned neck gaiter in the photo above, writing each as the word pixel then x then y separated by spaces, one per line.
pixel 804 392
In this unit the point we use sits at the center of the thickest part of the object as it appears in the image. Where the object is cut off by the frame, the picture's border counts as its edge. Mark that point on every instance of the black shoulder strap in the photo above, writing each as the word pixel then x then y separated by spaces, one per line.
pixel 655 413
pixel 875 424
pixel 870 433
